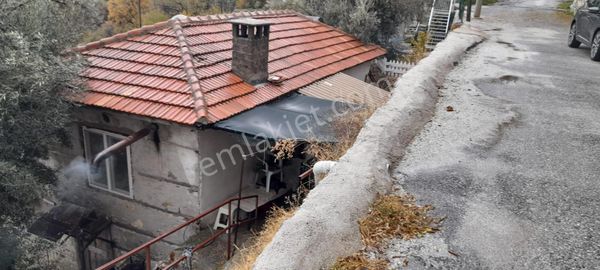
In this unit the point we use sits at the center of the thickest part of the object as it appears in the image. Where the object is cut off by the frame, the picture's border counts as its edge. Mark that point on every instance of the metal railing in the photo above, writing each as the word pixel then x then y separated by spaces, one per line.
pixel 189 252
pixel 431 17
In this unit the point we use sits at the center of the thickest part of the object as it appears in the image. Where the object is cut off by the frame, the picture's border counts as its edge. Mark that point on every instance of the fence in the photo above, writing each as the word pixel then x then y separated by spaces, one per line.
pixel 393 68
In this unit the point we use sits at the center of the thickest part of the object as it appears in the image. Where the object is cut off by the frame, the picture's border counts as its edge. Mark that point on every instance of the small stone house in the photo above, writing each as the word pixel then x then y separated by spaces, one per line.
pixel 183 77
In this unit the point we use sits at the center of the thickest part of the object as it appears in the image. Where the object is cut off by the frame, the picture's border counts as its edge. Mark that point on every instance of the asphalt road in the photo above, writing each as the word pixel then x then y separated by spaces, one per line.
pixel 515 167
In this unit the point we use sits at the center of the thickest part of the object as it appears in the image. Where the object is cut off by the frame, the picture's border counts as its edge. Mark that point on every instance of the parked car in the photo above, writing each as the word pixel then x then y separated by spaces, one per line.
pixel 585 28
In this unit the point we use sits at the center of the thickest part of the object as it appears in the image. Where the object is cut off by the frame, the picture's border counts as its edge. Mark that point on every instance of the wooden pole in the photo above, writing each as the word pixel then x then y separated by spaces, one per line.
pixel 139 6
pixel 478 8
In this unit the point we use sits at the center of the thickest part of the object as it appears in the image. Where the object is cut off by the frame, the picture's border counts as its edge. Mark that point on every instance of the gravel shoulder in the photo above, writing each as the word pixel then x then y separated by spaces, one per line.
pixel 514 167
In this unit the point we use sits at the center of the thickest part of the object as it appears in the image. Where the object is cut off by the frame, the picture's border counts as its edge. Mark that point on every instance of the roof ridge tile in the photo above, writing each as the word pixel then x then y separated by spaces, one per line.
pixel 188 67
pixel 121 36
pixel 189 19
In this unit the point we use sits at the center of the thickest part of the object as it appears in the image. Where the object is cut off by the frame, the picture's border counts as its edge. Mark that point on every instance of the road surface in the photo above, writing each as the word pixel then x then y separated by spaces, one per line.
pixel 515 167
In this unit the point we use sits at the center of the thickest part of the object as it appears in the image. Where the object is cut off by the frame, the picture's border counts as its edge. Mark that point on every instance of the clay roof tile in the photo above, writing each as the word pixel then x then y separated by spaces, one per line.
pixel 137 71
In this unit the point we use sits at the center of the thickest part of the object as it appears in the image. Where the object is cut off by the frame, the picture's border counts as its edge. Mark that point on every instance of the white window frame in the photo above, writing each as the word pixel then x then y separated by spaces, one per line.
pixel 109 176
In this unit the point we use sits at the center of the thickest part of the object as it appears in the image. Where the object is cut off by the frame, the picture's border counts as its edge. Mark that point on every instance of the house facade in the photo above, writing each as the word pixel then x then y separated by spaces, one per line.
pixel 177 79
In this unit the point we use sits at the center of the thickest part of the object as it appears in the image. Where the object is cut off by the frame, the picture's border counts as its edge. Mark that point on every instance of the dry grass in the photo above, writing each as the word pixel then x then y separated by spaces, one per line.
pixel 345 129
pixel 247 255
pixel 359 262
pixel 396 216
pixel 389 216
pixel 284 149
pixel 419 49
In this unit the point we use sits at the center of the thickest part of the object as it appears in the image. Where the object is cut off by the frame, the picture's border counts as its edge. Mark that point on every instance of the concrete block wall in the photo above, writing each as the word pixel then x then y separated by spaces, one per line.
pixel 166 189
pixel 221 181
pixel 359 72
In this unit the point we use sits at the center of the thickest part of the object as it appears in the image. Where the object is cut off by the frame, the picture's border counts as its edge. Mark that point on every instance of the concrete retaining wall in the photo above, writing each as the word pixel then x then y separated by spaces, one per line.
pixel 325 227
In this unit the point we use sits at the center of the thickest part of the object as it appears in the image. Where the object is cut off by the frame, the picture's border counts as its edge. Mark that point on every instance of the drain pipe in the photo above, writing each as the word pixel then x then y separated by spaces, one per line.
pixel 136 136
pixel 321 169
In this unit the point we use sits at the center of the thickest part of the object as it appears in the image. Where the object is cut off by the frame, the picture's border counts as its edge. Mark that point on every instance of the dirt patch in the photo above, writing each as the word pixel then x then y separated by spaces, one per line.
pixel 508 78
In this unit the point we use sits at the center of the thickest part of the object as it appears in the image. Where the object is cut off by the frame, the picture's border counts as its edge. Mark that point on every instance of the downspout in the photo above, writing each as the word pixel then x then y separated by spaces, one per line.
pixel 136 136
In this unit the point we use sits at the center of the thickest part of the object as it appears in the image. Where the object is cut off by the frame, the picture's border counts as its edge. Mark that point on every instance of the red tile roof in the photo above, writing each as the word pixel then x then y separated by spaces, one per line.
pixel 180 70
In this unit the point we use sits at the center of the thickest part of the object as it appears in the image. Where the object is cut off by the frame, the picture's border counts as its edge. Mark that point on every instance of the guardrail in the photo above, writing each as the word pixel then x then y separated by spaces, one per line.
pixel 146 247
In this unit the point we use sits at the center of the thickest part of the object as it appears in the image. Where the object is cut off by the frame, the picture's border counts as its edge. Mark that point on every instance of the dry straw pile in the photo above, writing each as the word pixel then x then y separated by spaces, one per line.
pixel 396 216
pixel 359 262
pixel 390 216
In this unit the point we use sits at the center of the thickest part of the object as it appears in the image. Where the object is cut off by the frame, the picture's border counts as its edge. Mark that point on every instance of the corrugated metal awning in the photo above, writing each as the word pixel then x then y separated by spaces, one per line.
pixel 342 87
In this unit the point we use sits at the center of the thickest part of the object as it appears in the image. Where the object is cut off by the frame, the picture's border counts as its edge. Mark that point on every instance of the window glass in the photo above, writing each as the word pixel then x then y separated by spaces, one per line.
pixel 112 173
pixel 119 168
pixel 95 144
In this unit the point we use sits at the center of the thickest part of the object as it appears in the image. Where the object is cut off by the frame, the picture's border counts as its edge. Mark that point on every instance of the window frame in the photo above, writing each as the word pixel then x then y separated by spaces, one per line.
pixel 109 172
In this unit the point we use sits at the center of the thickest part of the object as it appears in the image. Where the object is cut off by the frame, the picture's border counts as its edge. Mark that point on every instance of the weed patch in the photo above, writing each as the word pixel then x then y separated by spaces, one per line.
pixel 419 48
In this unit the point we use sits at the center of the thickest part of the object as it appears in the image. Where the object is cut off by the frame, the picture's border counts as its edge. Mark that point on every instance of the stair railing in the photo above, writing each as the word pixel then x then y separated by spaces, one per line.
pixel 146 247
pixel 430 17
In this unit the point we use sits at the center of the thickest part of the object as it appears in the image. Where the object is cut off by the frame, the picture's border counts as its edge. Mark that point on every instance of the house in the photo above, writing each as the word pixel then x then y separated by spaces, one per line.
pixel 157 99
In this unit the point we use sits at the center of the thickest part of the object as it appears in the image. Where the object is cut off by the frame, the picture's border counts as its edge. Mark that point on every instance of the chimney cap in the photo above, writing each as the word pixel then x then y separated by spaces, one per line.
pixel 250 21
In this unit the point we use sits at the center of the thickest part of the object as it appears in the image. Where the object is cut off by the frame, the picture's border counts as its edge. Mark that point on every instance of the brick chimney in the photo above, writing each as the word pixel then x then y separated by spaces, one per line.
pixel 251 50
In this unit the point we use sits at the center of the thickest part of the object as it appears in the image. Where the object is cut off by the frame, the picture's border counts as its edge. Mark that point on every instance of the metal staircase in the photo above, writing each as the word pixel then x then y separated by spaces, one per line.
pixel 439 21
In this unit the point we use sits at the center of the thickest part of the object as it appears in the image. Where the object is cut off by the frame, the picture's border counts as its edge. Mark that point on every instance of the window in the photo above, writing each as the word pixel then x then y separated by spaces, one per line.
pixel 114 173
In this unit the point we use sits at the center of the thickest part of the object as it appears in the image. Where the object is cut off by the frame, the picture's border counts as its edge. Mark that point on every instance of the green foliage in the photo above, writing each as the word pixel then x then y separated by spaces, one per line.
pixel 373 21
pixel 25 251
pixel 363 21
pixel 566 6
pixel 34 77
